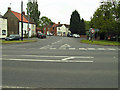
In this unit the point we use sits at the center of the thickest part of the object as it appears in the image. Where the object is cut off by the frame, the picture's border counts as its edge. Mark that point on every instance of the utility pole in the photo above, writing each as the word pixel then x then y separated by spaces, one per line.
pixel 28 20
pixel 21 20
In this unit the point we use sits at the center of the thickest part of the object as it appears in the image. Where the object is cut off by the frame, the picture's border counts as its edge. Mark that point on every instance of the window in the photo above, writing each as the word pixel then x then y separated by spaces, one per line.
pixel 63 32
pixel 3 32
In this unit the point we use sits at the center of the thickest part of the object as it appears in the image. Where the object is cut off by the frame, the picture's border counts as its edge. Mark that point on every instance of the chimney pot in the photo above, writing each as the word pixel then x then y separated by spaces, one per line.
pixel 9 8
pixel 23 12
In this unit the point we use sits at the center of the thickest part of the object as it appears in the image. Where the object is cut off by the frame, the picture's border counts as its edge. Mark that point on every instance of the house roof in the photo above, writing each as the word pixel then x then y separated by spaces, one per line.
pixel 18 15
pixel 67 26
pixel 2 17
pixel 55 25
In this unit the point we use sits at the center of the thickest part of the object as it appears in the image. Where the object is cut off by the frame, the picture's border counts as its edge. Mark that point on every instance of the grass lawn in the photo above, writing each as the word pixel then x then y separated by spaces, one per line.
pixel 18 41
pixel 101 42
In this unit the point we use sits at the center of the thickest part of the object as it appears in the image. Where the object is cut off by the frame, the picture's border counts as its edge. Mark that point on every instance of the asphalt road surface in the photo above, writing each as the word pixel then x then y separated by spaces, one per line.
pixel 59 62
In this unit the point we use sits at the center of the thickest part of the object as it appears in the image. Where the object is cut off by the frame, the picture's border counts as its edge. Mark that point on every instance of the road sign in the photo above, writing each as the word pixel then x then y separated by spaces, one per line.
pixel 93 31
pixel 28 29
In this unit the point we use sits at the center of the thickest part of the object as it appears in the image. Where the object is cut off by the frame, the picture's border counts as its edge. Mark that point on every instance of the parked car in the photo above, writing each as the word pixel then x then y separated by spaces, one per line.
pixel 76 35
pixel 41 35
pixel 69 35
pixel 50 34
pixel 13 37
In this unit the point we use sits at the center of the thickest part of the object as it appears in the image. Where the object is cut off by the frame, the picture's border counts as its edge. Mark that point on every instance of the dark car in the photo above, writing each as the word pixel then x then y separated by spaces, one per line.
pixel 69 35
pixel 13 37
pixel 40 35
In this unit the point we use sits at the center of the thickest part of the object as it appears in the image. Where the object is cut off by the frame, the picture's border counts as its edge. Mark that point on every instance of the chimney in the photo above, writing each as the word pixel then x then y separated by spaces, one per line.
pixel 23 12
pixel 58 22
pixel 9 8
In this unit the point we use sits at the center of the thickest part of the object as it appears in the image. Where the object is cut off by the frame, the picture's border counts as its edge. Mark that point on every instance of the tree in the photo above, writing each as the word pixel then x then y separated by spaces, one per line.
pixel 104 19
pixel 83 31
pixel 33 12
pixel 44 21
pixel 75 23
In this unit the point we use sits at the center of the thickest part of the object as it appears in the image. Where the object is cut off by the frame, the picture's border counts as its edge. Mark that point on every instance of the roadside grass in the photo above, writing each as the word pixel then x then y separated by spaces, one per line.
pixel 17 41
pixel 101 42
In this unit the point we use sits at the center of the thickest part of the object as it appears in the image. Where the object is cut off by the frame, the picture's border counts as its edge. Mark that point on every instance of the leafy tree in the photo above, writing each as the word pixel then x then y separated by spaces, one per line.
pixel 75 23
pixel 44 21
pixel 32 11
pixel 104 19
pixel 87 25
pixel 83 31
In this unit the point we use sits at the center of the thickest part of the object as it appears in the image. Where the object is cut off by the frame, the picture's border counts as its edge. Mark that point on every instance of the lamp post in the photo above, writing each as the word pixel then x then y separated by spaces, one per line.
pixel 28 20
pixel 21 20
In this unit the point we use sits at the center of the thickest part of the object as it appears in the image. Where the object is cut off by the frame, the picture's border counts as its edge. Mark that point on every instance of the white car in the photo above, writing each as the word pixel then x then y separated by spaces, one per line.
pixel 76 35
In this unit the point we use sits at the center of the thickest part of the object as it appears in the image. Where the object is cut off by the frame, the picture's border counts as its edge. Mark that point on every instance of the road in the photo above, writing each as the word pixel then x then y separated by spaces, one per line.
pixel 59 62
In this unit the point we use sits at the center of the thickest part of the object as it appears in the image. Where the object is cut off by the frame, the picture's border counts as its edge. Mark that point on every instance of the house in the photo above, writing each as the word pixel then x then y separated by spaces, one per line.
pixel 3 27
pixel 51 29
pixel 47 29
pixel 14 23
pixel 63 30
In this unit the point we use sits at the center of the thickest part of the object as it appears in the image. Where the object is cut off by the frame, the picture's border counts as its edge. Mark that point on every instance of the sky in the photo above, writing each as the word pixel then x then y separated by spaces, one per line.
pixel 56 10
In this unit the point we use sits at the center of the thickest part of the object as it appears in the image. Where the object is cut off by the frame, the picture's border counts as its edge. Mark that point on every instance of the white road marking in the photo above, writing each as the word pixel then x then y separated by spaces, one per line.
pixel 68 58
pixel 91 48
pixel 101 49
pixel 65 45
pixel 52 48
pixel 37 56
pixel 59 61
pixel 84 57
pixel 82 49
pixel 43 48
pixel 72 48
pixel 111 49
pixel 14 87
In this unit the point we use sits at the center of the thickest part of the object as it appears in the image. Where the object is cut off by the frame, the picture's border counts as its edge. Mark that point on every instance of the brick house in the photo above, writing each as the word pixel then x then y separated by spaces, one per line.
pixel 14 23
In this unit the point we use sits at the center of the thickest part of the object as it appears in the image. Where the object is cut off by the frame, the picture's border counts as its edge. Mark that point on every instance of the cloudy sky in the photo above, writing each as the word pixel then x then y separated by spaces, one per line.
pixel 56 10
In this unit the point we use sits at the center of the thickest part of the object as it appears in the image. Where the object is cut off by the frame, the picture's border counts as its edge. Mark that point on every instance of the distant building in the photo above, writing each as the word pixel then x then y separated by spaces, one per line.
pixel 14 23
pixel 3 27
pixel 63 30
pixel 51 29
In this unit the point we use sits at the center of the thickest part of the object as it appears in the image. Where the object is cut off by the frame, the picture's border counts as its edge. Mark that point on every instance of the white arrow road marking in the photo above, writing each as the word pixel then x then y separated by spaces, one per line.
pixel 68 58
pixel 65 45
pixel 59 61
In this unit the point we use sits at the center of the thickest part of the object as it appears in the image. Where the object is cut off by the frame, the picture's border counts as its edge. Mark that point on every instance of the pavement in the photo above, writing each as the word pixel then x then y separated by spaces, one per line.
pixel 59 62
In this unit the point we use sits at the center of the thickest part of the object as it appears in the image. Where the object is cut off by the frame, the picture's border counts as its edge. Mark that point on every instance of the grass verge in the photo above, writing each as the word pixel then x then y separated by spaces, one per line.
pixel 101 42
pixel 19 41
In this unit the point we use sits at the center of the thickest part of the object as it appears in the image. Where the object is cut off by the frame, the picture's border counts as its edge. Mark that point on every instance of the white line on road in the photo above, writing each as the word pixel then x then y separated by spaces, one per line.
pixel 68 58
pixel 41 56
pixel 101 49
pixel 59 61
pixel 14 87
pixel 72 48
pixel 82 49
pixel 91 48
pixel 111 49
